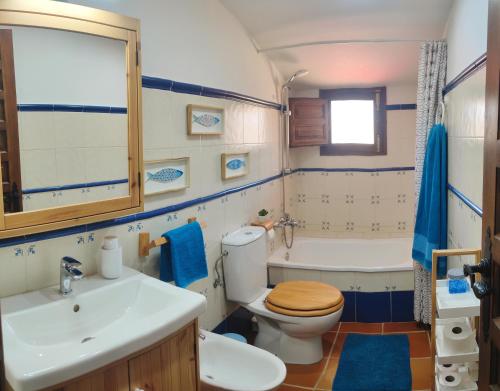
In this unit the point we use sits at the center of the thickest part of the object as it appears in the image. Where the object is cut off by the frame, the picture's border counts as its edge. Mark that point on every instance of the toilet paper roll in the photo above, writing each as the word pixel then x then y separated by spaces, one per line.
pixel 445 368
pixel 458 335
pixel 111 263
pixel 271 233
pixel 451 379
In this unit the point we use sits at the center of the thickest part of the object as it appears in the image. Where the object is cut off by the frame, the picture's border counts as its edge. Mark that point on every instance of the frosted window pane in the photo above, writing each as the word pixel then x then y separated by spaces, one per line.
pixel 352 122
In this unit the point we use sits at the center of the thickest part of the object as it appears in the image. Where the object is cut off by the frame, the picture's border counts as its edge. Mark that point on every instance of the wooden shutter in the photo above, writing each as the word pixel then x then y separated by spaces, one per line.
pixel 9 136
pixel 309 121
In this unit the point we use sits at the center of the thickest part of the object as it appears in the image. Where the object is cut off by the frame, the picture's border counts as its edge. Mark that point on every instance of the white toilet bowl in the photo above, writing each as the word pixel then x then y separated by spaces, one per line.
pixel 227 364
pixel 296 340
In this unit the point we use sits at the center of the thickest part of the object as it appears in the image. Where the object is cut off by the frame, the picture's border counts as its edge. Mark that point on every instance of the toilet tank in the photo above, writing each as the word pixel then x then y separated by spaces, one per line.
pixel 245 265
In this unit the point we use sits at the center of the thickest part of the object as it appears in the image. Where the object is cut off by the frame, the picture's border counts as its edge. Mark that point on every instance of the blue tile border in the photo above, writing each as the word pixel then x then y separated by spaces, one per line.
pixel 196 89
pixel 174 86
pixel 476 65
pixel 74 186
pixel 382 169
pixel 402 106
pixel 373 307
pixel 466 200
pixel 71 108
pixel 131 218
pixel 393 306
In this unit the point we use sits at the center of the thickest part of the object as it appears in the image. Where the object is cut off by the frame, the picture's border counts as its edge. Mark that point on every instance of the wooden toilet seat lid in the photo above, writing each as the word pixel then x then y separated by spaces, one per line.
pixel 304 296
pixel 307 314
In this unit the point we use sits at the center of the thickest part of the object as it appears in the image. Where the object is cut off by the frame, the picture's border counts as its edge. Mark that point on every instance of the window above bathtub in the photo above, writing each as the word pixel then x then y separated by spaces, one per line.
pixel 357 121
pixel 344 121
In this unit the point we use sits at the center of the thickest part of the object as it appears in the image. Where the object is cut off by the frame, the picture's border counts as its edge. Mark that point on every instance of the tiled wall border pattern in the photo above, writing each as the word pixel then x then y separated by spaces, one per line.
pixel 403 106
pixel 71 108
pixel 383 169
pixel 195 89
pixel 74 186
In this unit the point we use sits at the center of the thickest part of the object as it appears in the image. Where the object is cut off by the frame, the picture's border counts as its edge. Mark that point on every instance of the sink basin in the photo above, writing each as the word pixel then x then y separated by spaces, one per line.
pixel 49 338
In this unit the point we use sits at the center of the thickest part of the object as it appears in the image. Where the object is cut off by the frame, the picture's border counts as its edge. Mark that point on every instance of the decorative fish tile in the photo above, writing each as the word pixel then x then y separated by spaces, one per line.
pixel 206 120
pixel 235 164
pixel 165 175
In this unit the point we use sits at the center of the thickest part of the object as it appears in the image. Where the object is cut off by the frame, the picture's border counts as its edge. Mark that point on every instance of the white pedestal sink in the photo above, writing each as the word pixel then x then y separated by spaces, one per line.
pixel 49 338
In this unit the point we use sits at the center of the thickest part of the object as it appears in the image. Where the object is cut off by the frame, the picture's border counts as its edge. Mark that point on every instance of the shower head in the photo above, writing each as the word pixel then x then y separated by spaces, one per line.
pixel 296 75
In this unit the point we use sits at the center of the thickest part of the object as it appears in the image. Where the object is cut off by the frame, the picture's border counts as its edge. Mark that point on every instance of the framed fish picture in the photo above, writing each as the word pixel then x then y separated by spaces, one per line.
pixel 234 165
pixel 162 176
pixel 205 120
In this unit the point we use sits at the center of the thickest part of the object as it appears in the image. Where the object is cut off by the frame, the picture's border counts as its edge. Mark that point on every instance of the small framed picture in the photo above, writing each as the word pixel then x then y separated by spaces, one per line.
pixel 205 120
pixel 163 176
pixel 234 165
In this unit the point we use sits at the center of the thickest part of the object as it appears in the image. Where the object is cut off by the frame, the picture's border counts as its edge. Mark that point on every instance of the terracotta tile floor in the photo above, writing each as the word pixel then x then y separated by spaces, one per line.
pixel 320 376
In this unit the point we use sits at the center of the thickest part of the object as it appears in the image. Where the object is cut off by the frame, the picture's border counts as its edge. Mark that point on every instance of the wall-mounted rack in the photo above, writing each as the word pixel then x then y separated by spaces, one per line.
pixel 146 244
pixel 267 225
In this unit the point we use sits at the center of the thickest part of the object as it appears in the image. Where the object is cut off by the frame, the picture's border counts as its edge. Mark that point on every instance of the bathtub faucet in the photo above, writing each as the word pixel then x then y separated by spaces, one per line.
pixel 286 221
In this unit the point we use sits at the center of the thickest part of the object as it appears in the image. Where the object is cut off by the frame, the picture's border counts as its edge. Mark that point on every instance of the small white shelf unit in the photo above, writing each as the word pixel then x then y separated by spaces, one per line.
pixel 449 308
pixel 456 305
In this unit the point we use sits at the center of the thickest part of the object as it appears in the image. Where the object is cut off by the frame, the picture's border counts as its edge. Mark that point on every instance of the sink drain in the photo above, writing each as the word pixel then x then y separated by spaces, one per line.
pixel 87 339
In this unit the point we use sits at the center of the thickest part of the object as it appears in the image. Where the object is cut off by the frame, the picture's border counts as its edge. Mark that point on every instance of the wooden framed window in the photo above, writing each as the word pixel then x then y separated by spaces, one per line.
pixel 357 121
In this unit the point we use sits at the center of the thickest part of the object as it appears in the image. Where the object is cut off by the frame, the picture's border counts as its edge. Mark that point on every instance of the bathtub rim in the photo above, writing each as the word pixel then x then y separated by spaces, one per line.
pixel 275 260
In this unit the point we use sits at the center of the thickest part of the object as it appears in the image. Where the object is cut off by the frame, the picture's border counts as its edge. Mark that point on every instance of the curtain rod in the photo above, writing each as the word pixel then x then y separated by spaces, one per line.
pixel 337 42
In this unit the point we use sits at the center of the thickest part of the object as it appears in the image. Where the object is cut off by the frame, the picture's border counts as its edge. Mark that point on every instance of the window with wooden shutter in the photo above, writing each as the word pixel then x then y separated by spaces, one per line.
pixel 357 123
pixel 9 136
pixel 308 121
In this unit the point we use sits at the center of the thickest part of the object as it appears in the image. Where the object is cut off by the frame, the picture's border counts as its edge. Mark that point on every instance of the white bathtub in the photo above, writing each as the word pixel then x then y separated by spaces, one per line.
pixel 367 265
pixel 361 255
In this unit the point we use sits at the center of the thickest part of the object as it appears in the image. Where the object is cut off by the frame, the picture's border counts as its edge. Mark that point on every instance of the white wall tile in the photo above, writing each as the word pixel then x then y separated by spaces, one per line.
pixel 13 267
pixel 36 130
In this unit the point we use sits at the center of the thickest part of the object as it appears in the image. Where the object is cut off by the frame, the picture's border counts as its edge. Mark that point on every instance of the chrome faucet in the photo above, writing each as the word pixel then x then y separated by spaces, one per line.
pixel 69 270
pixel 286 221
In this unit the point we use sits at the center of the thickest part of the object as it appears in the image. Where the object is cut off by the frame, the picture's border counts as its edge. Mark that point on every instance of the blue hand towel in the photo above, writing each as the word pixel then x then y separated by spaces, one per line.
pixel 431 222
pixel 182 258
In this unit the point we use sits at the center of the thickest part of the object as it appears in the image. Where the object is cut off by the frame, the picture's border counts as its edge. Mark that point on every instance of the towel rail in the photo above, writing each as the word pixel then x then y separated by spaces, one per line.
pixel 146 244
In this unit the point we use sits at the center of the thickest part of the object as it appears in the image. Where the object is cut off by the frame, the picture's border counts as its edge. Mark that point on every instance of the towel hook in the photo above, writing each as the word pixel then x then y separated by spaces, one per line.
pixel 145 244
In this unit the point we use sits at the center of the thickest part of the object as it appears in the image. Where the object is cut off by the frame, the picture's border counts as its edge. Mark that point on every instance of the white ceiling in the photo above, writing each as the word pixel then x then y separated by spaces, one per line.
pixel 275 23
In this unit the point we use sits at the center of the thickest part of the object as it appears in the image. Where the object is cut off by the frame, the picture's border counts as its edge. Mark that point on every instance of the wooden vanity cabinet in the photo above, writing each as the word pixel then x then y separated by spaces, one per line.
pixel 169 365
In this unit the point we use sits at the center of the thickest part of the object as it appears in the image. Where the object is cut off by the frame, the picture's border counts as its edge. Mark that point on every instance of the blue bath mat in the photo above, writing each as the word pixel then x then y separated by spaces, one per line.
pixel 374 363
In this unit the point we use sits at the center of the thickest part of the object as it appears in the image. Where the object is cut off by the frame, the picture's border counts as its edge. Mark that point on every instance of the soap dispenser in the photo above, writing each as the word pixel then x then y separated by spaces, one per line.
pixel 111 258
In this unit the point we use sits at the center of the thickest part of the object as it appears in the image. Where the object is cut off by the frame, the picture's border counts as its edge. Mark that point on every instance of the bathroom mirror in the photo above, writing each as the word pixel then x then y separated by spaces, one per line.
pixel 70 140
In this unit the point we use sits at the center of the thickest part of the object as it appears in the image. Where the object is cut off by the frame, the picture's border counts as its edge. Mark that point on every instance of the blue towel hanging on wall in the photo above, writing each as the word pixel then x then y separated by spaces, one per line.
pixel 431 222
pixel 183 258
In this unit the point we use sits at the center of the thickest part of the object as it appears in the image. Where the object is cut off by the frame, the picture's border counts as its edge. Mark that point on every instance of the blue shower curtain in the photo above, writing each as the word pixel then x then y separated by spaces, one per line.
pixel 431 222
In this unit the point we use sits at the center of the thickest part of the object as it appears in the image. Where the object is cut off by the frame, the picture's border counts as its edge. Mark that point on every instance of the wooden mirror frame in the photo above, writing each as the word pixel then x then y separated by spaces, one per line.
pixel 76 18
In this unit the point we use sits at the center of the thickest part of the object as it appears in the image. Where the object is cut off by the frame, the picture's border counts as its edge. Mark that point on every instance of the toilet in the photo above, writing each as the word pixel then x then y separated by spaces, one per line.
pixel 294 315
pixel 227 364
